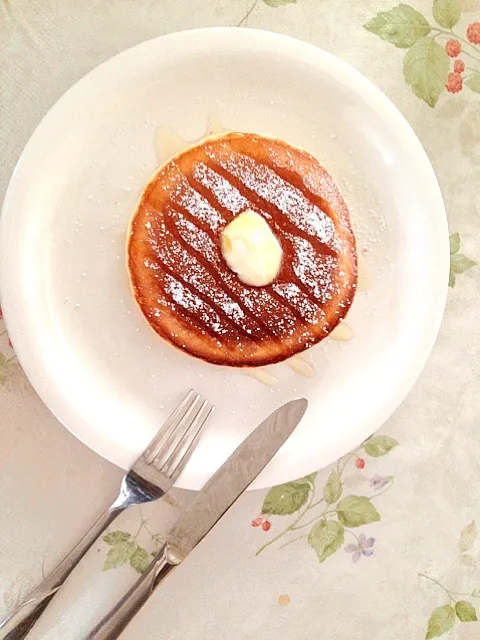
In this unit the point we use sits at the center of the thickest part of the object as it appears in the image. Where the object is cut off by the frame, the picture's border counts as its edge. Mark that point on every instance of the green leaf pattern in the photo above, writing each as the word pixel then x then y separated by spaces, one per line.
pixel 454 242
pixel 353 511
pixel 446 12
pixel 465 611
pixel 3 368
pixel 402 26
pixel 468 537
pixel 333 516
pixel 326 537
pixel 425 69
pixel 441 621
pixel 333 488
pixel 473 82
pixel 286 498
pixel 5 361
pixel 116 537
pixel 119 554
pixel 125 549
pixel 426 64
pixel 140 559
pixel 458 262
pixel 377 446
pixel 444 617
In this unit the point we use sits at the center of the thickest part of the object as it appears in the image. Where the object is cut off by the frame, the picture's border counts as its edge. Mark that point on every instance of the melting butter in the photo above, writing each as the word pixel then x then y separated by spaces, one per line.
pixel 215 126
pixel 301 366
pixel 251 249
pixel 262 375
pixel 364 278
pixel 168 143
pixel 342 332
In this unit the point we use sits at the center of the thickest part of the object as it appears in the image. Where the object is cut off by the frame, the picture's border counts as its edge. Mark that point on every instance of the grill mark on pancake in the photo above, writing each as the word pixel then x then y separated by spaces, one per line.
pixel 292 275
pixel 222 285
pixel 175 206
pixel 289 291
pixel 309 180
pixel 173 254
pixel 185 313
pixel 219 190
pixel 276 308
pixel 284 167
pixel 210 197
pixel 271 212
pixel 220 261
pixel 182 194
pixel 290 177
pixel 207 300
pixel 261 206
pixel 260 179
pixel 280 221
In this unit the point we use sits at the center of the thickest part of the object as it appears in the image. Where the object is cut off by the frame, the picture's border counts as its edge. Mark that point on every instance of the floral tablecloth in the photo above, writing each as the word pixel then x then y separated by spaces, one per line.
pixel 383 545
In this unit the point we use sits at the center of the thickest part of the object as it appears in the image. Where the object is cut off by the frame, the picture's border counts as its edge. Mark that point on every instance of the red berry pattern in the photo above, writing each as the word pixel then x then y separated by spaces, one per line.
pixel 266 525
pixel 473 32
pixel 454 83
pixel 257 522
pixel 459 66
pixel 359 463
pixel 453 48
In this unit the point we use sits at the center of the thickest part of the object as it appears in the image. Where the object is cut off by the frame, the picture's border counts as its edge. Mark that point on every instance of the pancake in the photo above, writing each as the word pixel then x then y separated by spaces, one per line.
pixel 181 281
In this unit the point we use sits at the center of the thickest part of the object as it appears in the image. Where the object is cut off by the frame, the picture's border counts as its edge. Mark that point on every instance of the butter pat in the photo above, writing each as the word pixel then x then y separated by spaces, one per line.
pixel 251 250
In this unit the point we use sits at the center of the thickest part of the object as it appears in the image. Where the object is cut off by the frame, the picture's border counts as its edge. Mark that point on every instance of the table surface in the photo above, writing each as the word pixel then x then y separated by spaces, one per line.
pixel 399 560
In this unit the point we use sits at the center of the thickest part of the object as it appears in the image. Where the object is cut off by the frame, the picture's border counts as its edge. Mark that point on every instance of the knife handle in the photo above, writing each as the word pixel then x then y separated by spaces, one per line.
pixel 112 625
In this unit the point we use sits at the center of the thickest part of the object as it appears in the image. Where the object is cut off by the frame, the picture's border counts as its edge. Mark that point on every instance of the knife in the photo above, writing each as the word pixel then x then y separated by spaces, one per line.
pixel 218 494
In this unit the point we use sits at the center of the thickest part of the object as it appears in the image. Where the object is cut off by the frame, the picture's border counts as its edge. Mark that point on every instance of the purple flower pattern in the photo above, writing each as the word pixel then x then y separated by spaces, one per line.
pixel 362 548
pixel 378 482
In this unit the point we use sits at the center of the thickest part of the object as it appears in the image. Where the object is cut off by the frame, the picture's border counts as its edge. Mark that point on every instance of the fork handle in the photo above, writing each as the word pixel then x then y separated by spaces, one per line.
pixel 16 625
pixel 112 625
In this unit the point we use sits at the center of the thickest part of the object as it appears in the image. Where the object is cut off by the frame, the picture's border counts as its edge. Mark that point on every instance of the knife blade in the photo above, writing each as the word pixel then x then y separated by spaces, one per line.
pixel 218 494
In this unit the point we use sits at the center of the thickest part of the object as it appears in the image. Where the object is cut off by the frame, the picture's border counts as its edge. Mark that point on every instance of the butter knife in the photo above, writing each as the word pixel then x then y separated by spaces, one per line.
pixel 218 494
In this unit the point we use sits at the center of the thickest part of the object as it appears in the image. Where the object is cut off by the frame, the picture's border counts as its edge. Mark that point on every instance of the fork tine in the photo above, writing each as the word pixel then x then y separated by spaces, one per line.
pixel 181 428
pixel 169 426
pixel 183 451
pixel 185 437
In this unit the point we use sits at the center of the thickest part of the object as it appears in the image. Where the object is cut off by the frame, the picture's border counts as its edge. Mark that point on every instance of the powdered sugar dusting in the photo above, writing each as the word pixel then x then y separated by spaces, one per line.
pixel 277 317
pixel 196 238
pixel 267 184
pixel 319 182
pixel 196 204
pixel 225 193
pixel 174 256
pixel 189 301
pixel 314 271
pixel 307 309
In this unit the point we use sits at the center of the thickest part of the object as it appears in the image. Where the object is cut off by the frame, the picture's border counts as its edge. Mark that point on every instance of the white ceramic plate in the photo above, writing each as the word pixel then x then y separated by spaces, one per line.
pixel 77 332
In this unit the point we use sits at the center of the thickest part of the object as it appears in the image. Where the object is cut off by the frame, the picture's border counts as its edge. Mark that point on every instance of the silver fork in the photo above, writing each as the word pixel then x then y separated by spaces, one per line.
pixel 151 476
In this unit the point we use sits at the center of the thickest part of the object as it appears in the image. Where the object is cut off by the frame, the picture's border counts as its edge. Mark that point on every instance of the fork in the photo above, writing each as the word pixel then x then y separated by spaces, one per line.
pixel 150 477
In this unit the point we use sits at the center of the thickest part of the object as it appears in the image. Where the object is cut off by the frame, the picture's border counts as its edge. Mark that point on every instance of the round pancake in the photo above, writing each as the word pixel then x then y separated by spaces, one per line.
pixel 181 281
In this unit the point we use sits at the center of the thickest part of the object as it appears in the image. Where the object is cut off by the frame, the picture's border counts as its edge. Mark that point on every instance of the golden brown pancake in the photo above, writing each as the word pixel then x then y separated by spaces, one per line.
pixel 181 281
